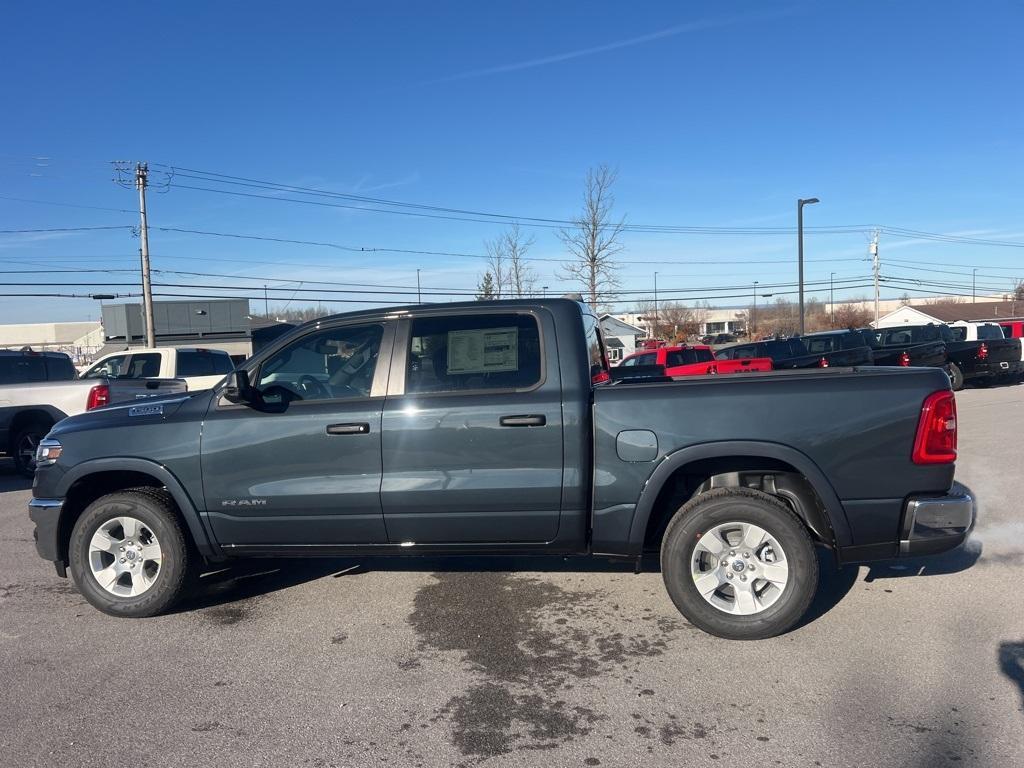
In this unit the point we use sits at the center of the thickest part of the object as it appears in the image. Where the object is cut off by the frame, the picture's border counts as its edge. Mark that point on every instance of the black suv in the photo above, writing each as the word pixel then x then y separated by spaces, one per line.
pixel 26 366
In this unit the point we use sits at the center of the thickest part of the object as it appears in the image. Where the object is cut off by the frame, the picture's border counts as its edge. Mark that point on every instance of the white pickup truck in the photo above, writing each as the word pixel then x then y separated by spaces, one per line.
pixel 28 411
pixel 200 368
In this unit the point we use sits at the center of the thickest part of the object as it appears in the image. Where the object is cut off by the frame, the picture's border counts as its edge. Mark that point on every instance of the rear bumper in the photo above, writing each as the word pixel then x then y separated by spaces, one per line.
pixel 992 369
pixel 45 513
pixel 937 524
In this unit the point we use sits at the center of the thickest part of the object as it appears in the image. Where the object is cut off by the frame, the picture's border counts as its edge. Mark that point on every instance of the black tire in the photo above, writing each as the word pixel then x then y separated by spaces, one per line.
pixel 28 437
pixel 155 509
pixel 956 376
pixel 741 505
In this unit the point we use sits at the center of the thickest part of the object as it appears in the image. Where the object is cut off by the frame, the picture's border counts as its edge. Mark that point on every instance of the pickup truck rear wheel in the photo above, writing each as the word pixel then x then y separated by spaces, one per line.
pixel 739 564
pixel 956 376
pixel 23 449
pixel 129 555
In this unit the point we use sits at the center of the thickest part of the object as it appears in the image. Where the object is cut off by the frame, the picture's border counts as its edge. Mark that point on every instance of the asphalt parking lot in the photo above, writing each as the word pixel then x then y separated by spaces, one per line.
pixel 533 662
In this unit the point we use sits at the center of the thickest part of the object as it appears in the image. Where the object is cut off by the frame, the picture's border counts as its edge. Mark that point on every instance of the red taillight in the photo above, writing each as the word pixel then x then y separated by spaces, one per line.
pixel 935 442
pixel 823 363
pixel 983 351
pixel 905 359
pixel 600 377
pixel 98 395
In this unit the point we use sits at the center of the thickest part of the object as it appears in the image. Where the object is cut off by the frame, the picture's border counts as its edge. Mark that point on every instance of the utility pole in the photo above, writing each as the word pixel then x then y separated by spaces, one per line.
pixel 419 297
pixel 800 250
pixel 753 319
pixel 874 269
pixel 141 176
pixel 832 298
pixel 974 285
pixel 655 304
pixel 266 302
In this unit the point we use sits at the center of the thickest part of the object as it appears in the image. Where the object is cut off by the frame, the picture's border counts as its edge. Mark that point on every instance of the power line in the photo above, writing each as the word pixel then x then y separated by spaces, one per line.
pixel 62 229
pixel 65 205
pixel 458 214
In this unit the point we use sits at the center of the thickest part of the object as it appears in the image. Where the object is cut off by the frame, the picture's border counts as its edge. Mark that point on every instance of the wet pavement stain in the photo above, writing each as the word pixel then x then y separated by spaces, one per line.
pixel 524 638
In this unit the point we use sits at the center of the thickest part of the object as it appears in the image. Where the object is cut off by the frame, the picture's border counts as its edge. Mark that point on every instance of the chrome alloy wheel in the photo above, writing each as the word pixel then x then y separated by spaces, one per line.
pixel 124 556
pixel 739 568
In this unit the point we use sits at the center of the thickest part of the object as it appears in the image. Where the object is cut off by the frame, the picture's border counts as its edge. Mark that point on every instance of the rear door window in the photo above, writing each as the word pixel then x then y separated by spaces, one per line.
pixel 989 332
pixel 144 366
pixel 22 369
pixel 476 352
pixel 688 357
pixel 959 333
pixel 202 362
pixel 649 359
pixel 820 345
pixel 60 368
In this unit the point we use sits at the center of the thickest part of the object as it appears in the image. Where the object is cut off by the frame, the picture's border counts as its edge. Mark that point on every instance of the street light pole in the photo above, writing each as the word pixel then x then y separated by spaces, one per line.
pixel 800 250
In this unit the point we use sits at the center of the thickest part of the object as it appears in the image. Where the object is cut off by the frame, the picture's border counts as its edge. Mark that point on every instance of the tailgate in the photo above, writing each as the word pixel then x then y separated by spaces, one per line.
pixel 745 365
pixel 1003 350
pixel 850 357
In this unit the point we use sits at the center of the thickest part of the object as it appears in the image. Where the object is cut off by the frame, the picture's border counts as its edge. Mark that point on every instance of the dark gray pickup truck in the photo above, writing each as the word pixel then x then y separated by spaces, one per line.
pixel 496 427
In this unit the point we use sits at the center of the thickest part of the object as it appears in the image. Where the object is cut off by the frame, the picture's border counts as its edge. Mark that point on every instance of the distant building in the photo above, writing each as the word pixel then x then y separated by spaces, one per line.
pixel 620 337
pixel 982 311
pixel 80 340
pixel 223 324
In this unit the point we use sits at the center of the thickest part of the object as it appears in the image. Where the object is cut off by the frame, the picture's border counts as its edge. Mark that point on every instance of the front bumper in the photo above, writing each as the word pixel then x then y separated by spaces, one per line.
pixel 937 524
pixel 45 513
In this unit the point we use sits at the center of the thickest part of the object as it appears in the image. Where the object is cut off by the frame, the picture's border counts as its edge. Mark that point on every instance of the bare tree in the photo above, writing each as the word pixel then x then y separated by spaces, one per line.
pixel 675 322
pixel 852 315
pixel 593 240
pixel 510 271
pixel 498 267
pixel 944 301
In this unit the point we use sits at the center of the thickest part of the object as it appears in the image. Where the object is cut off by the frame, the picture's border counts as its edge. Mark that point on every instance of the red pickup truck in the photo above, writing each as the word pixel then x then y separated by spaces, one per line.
pixel 696 360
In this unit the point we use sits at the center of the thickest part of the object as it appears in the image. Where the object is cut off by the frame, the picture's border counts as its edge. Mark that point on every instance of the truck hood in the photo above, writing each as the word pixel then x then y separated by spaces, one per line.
pixel 146 410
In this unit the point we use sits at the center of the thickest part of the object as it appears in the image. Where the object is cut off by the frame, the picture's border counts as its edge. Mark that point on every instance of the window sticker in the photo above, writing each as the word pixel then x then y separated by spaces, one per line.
pixel 483 350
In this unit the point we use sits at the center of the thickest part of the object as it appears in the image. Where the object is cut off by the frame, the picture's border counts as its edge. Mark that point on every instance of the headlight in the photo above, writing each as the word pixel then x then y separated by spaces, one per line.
pixel 48 452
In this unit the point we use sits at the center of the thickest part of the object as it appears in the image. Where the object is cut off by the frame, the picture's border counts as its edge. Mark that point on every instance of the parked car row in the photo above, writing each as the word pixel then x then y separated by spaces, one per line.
pixel 38 389
pixel 694 360
pixel 979 353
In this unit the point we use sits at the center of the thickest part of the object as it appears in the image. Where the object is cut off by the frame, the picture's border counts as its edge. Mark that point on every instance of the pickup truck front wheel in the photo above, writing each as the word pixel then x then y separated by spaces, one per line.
pixel 739 564
pixel 128 553
pixel 24 447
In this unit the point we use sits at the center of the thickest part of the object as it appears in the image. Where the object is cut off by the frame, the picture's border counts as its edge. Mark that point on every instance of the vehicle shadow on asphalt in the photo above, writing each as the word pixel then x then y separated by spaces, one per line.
pixel 1011 663
pixel 11 480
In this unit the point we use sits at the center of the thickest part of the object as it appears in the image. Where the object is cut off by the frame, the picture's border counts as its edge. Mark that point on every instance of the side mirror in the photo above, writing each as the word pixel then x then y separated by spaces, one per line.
pixel 237 388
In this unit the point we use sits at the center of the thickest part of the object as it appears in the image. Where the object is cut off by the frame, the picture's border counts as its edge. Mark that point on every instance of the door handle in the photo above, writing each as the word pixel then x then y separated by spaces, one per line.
pixel 359 428
pixel 523 421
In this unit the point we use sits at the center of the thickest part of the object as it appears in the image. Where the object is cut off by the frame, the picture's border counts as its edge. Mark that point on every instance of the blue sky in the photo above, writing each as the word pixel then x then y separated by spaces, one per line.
pixel 715 114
